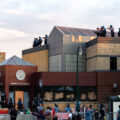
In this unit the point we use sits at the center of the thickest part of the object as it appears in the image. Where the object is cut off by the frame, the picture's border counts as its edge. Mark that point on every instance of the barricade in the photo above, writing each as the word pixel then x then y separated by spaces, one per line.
pixel 19 117
pixel 109 116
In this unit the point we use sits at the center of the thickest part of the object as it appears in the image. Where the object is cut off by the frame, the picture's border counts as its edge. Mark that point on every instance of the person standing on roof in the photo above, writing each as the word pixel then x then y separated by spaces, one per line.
pixel 111 28
pixel 119 33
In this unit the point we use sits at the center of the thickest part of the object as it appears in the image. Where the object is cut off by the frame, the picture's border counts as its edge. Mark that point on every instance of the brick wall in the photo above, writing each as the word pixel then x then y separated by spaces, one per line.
pixel 98 54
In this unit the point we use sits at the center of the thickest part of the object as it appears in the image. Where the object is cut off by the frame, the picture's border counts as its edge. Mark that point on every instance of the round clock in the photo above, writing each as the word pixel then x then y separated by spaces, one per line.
pixel 20 75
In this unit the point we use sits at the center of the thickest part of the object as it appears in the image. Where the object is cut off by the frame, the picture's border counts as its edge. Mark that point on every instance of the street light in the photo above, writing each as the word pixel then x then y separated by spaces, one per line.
pixel 79 53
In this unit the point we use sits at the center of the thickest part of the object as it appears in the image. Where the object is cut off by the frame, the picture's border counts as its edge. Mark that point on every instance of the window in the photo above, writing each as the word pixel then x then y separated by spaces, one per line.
pixel 113 63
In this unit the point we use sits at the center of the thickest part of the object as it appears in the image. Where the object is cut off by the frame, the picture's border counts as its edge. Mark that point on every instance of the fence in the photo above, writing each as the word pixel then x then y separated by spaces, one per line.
pixel 19 117
pixel 109 116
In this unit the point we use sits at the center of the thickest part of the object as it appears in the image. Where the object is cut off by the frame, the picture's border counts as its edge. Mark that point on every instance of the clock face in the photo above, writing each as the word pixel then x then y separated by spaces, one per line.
pixel 20 75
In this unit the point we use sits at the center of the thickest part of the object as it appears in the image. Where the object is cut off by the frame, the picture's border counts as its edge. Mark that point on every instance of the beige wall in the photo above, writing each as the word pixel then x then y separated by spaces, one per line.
pixel 2 56
pixel 102 63
pixel 39 58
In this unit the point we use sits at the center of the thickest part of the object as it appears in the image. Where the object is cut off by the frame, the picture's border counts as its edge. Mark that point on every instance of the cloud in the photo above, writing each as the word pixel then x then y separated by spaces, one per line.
pixel 12 11
pixel 22 20
pixel 10 34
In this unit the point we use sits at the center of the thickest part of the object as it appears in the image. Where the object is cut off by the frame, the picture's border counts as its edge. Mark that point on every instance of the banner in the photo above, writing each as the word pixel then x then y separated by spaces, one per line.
pixel 62 115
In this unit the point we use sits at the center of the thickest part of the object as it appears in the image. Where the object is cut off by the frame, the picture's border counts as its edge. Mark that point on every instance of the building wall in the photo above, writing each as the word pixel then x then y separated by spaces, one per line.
pixel 2 56
pixel 98 55
pixel 39 58
pixel 66 78
pixel 105 81
pixel 70 60
pixel 9 77
pixel 55 63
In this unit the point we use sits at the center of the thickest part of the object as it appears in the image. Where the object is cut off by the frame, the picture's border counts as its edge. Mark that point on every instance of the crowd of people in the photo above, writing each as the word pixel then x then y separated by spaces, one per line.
pixel 38 41
pixel 38 110
pixel 89 113
pixel 102 31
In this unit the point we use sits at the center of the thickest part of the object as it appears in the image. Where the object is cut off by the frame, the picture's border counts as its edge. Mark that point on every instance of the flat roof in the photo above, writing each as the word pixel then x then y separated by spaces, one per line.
pixel 35 49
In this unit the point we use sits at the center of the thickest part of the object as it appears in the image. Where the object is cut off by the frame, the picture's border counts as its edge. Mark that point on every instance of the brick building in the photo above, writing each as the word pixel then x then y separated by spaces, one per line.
pixel 100 55
pixel 55 79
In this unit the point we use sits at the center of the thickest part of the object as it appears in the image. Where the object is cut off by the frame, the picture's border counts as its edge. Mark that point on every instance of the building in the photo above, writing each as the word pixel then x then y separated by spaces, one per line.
pixel 51 73
pixel 100 55
pixel 16 80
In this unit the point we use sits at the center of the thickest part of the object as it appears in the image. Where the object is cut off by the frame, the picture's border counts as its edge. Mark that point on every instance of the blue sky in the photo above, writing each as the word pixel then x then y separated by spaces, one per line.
pixel 22 20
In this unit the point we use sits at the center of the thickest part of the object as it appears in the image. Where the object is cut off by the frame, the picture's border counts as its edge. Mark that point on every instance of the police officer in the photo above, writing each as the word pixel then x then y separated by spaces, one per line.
pixel 10 104
pixel 35 104
pixel 3 99
pixel 20 105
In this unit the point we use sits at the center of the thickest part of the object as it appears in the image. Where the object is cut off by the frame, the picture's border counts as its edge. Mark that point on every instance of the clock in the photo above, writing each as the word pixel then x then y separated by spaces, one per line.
pixel 20 75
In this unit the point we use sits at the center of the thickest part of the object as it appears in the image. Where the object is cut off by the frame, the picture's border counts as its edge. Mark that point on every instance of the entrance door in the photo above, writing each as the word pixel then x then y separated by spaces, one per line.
pixel 19 94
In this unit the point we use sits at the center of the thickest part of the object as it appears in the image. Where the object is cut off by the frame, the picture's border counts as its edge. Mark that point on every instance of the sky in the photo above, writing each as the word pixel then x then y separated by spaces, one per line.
pixel 23 20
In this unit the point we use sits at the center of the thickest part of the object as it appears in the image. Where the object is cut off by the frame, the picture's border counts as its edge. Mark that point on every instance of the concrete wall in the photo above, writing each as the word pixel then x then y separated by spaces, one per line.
pixel 39 58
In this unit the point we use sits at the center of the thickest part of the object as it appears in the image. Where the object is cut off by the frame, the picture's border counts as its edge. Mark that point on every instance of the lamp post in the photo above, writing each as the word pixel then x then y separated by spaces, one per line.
pixel 79 53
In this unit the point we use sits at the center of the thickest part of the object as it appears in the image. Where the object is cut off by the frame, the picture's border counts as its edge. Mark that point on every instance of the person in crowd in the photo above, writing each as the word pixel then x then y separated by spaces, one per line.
pixel 20 105
pixel 83 109
pixel 35 104
pixel 119 33
pixel 10 104
pixel 43 115
pixel 118 114
pixel 55 118
pixel 96 114
pixel 102 31
pixel 13 113
pixel 97 32
pixel 45 39
pixel 102 111
pixel 68 108
pixel 40 107
pixel 40 41
pixel 3 99
pixel 111 28
pixel 89 113
pixel 77 109
pixel 56 108
pixel 35 42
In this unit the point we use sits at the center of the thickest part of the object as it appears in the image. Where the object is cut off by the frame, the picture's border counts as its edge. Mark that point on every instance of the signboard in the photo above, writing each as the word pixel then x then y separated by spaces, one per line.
pixel 62 116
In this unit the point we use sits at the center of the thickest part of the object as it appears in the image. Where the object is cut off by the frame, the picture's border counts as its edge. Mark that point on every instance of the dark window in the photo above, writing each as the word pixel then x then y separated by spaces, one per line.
pixel 113 63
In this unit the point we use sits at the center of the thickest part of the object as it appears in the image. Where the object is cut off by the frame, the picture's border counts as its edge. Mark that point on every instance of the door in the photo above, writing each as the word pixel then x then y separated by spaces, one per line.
pixel 19 94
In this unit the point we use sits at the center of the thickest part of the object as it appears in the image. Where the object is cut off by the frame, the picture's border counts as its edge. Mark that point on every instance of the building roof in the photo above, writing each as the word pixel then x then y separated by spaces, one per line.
pixel 79 31
pixel 14 60
pixel 76 31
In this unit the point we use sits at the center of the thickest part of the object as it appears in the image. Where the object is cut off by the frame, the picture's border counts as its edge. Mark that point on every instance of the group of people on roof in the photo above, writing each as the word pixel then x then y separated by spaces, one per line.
pixel 102 31
pixel 38 41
